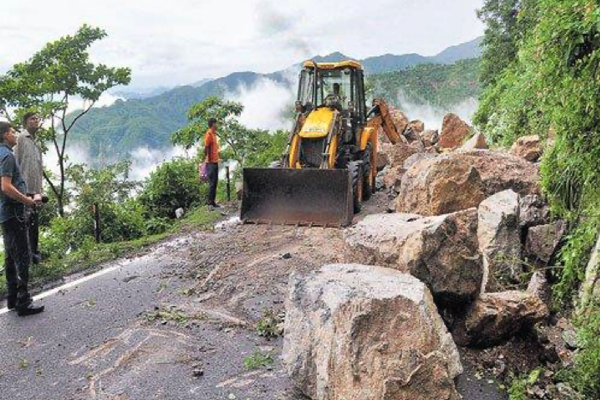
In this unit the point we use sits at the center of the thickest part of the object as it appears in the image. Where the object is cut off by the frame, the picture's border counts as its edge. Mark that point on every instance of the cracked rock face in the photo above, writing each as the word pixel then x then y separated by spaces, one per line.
pixel 441 251
pixel 499 238
pixel 364 332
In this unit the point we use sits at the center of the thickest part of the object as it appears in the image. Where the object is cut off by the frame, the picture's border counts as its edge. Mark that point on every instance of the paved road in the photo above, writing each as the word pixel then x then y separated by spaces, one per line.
pixel 92 343
pixel 99 339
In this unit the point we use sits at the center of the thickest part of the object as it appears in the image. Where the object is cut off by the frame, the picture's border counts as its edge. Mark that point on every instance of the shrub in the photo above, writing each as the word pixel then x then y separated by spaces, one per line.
pixel 172 185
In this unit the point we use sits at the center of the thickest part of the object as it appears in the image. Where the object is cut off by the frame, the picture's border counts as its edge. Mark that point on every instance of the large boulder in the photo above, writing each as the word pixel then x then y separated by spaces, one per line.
pixel 499 239
pixel 463 179
pixel 542 240
pixel 527 147
pixel 363 332
pixel 495 317
pixel 442 251
pixel 454 132
pixel 476 142
pixel 382 160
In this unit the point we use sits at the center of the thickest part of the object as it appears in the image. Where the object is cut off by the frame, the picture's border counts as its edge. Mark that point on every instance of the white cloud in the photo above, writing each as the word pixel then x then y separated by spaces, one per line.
pixel 264 104
pixel 433 116
pixel 182 41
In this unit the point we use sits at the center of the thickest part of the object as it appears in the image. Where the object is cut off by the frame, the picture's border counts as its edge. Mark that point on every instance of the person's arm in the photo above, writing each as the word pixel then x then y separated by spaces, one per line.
pixel 11 191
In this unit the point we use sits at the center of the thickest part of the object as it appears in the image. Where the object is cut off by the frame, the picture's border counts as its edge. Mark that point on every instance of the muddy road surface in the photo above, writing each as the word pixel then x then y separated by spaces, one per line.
pixel 179 322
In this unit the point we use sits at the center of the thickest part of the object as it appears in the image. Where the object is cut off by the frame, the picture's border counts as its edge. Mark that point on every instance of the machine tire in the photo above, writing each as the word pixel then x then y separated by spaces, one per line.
pixel 356 176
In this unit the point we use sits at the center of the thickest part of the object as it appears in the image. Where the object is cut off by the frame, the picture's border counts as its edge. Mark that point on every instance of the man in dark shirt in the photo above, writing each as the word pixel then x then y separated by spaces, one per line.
pixel 14 227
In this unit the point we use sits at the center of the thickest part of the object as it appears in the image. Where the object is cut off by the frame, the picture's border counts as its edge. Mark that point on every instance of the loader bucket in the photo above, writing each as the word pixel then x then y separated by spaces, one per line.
pixel 297 197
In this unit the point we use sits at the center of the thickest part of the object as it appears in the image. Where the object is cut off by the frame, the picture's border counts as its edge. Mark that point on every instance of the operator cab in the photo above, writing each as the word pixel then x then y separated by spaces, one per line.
pixel 335 85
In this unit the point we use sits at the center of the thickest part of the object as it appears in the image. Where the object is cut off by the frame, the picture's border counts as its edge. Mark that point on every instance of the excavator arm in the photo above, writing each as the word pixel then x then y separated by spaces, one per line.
pixel 379 116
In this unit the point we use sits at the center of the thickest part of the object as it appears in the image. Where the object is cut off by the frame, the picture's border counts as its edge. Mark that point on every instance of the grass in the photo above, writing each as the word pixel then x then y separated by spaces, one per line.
pixel 90 256
pixel 258 360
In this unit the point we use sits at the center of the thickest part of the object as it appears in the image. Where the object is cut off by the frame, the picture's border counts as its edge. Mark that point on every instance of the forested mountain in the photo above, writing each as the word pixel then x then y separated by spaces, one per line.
pixel 437 85
pixel 111 133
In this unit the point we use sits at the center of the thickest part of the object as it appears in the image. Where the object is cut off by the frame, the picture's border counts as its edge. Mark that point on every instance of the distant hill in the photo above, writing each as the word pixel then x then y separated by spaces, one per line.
pixel 112 132
pixel 437 85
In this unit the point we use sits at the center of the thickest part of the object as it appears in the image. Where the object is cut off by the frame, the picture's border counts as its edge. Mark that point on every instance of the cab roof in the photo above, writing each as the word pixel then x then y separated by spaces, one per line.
pixel 333 65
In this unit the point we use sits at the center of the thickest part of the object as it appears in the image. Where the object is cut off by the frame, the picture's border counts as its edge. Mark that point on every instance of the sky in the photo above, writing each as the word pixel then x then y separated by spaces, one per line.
pixel 169 43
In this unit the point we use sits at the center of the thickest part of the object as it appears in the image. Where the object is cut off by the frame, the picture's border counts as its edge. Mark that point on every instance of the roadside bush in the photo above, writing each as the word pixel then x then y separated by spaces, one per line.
pixel 172 185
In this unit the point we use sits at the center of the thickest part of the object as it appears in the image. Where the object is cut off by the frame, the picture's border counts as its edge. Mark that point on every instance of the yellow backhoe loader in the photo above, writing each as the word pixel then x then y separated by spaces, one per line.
pixel 330 163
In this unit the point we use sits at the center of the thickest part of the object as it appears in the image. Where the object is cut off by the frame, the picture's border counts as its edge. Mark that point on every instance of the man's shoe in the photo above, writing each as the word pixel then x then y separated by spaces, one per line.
pixel 215 205
pixel 11 304
pixel 29 310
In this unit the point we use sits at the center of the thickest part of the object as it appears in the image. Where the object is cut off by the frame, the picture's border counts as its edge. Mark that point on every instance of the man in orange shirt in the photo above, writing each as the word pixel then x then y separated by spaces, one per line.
pixel 211 158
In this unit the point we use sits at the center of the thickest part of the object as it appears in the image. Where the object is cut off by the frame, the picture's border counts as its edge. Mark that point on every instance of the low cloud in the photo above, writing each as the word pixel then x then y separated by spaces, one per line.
pixel 265 104
pixel 433 116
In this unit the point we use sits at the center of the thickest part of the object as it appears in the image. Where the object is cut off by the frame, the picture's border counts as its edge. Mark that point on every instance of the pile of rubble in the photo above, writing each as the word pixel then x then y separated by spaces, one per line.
pixel 467 237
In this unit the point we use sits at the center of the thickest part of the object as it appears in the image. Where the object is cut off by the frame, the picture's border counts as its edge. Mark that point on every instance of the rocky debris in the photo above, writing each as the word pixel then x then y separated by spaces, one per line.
pixel 454 132
pixel 527 147
pixel 476 142
pixel 364 332
pixel 461 180
pixel 590 289
pixel 410 161
pixel 417 125
pixel 393 177
pixel 442 251
pixel 382 160
pixel 499 238
pixel 429 137
pixel 411 135
pixel 533 211
pixel 399 152
pixel 542 240
pixel 495 317
pixel 539 286
pixel 400 120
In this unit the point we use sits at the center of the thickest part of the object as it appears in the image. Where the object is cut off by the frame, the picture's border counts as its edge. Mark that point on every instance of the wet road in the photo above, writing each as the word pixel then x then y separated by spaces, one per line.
pixel 93 342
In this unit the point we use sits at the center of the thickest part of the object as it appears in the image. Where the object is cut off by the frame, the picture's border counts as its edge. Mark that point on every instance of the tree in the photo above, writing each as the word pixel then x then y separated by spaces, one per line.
pixel 241 143
pixel 48 81
pixel 507 22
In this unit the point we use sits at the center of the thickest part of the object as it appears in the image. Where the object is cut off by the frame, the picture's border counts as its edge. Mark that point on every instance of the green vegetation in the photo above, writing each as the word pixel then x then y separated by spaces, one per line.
pixel 269 324
pixel 440 86
pixel 249 147
pixel 548 83
pixel 48 81
pixel 258 360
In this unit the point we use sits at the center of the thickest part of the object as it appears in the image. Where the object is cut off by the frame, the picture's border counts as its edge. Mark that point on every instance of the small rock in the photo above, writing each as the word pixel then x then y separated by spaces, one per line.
pixel 542 240
pixel 533 211
pixel 476 142
pixel 179 213
pixel 286 256
pixel 429 137
pixel 527 147
pixel 570 337
pixel 539 286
